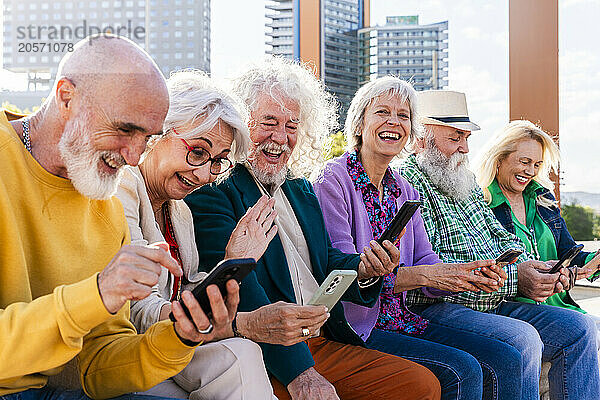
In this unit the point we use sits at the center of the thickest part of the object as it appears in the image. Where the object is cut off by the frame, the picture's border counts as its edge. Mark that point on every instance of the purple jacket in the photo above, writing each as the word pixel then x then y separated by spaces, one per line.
pixel 350 231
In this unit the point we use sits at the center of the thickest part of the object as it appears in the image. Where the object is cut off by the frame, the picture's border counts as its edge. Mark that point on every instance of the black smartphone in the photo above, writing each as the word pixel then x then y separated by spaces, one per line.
pixel 567 258
pixel 236 269
pixel 404 214
pixel 508 257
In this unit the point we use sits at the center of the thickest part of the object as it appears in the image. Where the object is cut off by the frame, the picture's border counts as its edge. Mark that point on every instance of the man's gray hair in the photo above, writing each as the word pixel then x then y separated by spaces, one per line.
pixel 285 79
pixel 364 97
pixel 195 97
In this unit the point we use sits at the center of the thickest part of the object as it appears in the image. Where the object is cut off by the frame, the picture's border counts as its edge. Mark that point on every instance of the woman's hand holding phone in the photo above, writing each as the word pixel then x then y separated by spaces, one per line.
pixel 590 268
pixel 377 260
pixel 223 312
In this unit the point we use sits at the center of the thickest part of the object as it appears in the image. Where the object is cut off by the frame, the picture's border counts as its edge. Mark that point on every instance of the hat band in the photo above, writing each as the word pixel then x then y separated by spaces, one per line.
pixel 451 119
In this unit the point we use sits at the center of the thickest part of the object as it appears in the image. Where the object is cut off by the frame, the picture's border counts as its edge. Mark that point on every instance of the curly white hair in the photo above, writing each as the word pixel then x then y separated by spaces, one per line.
pixel 295 81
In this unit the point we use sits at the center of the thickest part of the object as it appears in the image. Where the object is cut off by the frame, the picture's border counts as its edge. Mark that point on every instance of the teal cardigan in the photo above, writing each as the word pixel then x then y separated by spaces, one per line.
pixel 216 210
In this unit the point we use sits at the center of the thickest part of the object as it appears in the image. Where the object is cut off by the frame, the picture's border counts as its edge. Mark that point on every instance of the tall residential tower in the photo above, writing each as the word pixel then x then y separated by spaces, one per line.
pixel 323 32
pixel 416 53
pixel 37 33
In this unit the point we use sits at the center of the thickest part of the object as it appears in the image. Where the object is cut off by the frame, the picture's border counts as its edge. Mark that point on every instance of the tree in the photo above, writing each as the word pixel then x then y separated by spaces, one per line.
pixel 335 145
pixel 12 108
pixel 582 222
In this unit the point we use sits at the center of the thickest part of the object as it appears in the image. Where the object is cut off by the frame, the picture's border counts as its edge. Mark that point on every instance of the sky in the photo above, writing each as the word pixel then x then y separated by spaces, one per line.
pixel 478 65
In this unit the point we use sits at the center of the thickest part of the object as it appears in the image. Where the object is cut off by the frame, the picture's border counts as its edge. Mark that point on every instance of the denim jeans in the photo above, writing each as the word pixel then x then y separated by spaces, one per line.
pixel 47 393
pixel 569 339
pixel 564 337
pixel 459 373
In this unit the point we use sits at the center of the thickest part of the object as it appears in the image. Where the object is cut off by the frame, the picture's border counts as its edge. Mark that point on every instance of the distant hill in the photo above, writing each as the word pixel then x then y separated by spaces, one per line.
pixel 582 199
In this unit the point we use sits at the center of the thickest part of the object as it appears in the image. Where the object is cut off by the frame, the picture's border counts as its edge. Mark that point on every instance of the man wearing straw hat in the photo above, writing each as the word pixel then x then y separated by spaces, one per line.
pixel 462 228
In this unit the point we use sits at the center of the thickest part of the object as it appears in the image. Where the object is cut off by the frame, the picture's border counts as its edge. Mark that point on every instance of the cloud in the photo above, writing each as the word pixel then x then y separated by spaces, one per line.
pixel 12 81
pixel 564 4
pixel 579 90
pixel 471 32
pixel 487 100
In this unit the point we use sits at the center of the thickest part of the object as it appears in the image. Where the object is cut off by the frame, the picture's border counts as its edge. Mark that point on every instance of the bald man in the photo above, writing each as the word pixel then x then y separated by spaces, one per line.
pixel 66 269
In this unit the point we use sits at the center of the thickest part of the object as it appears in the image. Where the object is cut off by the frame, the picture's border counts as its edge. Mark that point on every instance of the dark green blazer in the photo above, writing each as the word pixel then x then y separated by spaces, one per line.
pixel 218 208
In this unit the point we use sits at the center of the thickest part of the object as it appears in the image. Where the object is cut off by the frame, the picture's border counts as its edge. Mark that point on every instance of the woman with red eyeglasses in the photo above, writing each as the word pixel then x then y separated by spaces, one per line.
pixel 205 131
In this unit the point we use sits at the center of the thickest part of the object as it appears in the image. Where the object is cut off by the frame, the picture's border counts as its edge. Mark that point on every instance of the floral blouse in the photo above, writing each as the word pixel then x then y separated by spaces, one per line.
pixel 393 314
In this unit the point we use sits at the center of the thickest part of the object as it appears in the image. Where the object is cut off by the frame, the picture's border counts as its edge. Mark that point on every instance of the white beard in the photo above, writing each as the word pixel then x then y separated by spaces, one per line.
pixel 451 175
pixel 82 161
pixel 268 174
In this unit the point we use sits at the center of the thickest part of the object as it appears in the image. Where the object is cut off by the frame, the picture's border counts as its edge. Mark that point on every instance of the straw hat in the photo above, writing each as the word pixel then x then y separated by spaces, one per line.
pixel 446 108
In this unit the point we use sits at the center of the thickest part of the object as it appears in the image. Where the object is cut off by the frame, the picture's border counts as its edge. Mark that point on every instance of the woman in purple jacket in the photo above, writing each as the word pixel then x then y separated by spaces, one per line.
pixel 359 195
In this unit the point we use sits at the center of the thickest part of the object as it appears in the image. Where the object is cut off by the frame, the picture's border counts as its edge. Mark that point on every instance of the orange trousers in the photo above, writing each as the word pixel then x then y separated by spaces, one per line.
pixel 361 373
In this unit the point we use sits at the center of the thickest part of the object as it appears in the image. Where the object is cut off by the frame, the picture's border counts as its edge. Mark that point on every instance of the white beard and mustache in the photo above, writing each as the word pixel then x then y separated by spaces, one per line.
pixel 451 175
pixel 268 175
pixel 82 161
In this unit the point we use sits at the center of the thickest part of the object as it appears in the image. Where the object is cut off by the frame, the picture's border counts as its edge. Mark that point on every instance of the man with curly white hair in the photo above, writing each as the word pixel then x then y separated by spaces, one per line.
pixel 320 356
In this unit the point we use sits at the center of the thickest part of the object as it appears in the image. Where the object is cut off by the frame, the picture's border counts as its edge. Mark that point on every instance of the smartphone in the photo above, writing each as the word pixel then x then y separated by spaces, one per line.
pixel 332 289
pixel 565 261
pixel 236 269
pixel 508 257
pixel 404 214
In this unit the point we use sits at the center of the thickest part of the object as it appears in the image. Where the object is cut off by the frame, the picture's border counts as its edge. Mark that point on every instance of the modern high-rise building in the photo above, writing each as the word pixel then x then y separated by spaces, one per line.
pixel 402 47
pixel 323 32
pixel 37 33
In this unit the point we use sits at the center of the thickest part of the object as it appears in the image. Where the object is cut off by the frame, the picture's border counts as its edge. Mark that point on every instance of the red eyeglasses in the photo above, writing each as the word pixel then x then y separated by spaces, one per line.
pixel 197 156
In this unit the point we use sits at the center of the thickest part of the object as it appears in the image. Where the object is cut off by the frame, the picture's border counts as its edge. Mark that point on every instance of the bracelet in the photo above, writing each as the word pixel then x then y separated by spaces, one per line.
pixel 365 283
pixel 234 328
pixel 189 343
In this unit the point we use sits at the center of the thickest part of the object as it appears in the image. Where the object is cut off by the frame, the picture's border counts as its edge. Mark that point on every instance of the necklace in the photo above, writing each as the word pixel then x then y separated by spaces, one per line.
pixel 26 137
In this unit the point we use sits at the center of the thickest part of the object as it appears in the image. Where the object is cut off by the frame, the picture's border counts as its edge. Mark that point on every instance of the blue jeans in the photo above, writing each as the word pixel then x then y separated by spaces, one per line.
pixel 47 393
pixel 537 332
pixel 459 373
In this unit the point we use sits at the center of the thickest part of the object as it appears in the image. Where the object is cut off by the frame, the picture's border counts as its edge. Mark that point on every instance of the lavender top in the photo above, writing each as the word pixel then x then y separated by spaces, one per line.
pixel 350 231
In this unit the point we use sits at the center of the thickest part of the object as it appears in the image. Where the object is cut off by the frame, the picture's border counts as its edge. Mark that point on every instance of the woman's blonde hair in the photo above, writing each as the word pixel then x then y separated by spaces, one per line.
pixel 503 143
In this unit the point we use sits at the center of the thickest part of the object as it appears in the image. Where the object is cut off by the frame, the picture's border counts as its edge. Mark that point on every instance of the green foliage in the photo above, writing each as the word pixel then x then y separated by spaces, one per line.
pixel 335 145
pixel 14 109
pixel 582 222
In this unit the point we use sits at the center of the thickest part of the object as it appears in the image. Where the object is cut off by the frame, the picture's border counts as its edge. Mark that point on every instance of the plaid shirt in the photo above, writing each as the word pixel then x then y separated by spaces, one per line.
pixel 462 231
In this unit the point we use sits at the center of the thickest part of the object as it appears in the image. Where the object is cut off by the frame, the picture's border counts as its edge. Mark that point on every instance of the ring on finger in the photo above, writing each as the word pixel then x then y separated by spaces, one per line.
pixel 206 331
pixel 305 332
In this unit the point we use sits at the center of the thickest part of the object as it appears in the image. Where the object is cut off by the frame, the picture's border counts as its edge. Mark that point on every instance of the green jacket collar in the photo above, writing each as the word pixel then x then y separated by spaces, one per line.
pixel 498 197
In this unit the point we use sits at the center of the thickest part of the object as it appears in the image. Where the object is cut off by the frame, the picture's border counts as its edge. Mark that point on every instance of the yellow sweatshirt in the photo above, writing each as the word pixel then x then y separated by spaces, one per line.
pixel 53 243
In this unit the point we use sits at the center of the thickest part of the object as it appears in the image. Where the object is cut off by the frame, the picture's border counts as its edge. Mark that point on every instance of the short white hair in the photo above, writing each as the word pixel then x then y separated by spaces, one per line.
pixel 294 81
pixel 194 96
pixel 391 85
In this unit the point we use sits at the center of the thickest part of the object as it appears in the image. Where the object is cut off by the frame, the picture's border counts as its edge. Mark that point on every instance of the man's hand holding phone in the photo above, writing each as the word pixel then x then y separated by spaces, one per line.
pixel 494 272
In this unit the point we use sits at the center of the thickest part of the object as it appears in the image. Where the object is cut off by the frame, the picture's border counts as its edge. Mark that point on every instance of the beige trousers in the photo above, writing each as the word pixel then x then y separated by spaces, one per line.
pixel 230 369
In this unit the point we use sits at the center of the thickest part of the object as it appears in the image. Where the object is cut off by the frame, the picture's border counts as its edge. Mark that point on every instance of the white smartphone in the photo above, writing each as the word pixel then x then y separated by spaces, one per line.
pixel 332 289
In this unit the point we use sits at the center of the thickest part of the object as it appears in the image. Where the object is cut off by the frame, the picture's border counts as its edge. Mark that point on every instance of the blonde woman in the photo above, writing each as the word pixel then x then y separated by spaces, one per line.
pixel 514 173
